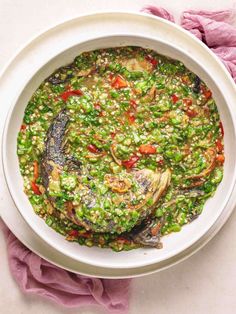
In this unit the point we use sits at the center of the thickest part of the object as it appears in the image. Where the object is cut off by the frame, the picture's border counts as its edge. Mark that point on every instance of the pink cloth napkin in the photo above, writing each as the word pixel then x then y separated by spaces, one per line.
pixel 34 274
pixel 215 29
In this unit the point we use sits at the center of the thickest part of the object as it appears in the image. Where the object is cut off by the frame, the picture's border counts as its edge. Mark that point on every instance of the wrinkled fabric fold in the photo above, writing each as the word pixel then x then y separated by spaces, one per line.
pixel 36 275
pixel 158 11
pixel 215 29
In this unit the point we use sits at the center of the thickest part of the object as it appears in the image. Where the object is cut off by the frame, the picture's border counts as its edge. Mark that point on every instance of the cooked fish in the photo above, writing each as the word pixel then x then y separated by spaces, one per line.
pixel 136 65
pixel 54 159
pixel 147 233
pixel 149 185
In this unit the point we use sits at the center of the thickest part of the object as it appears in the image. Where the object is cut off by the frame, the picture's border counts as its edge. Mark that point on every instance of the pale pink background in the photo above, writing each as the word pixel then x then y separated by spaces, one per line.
pixel 206 282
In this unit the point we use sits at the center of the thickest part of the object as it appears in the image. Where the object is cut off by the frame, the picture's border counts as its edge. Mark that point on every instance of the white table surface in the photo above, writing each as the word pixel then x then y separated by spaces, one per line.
pixel 204 283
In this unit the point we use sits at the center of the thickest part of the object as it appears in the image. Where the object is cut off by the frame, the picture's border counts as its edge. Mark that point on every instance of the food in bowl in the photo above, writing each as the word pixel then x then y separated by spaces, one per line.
pixel 121 147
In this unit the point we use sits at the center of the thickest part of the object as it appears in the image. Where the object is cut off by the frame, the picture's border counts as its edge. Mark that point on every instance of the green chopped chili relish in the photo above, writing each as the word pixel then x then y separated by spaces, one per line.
pixel 128 109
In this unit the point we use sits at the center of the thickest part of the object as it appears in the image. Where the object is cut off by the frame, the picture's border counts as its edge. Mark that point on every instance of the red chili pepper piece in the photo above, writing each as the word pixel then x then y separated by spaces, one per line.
pixel 219 145
pixel 130 117
pixel 93 149
pixel 174 98
pixel 147 149
pixel 73 233
pixel 119 82
pixel 36 170
pixel 220 159
pixel 113 134
pixel 65 95
pixel 187 101
pixel 207 93
pixel 153 61
pixel 133 104
pixel 221 129
pixel 35 188
pixel 191 113
pixel 131 162
pixel 161 162
pixel 23 127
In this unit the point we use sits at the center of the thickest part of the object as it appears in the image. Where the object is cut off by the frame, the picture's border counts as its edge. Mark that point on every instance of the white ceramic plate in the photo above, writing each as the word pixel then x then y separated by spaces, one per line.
pixel 62 37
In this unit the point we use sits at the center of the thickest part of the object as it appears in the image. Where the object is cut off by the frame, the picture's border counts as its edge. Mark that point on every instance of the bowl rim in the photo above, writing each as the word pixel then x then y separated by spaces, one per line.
pixel 11 109
pixel 97 13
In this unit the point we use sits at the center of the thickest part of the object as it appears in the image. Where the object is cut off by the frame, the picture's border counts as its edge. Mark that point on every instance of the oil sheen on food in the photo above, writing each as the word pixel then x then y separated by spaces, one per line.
pixel 120 147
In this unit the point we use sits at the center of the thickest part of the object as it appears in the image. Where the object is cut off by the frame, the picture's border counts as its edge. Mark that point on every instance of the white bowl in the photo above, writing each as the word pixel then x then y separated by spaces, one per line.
pixel 173 243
